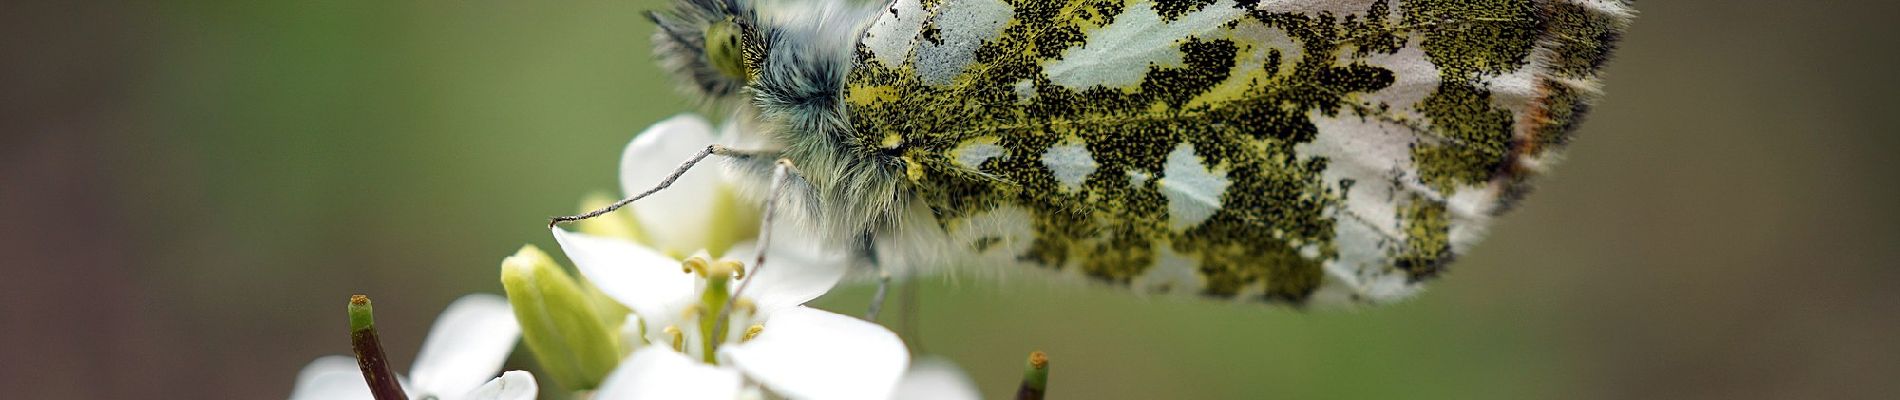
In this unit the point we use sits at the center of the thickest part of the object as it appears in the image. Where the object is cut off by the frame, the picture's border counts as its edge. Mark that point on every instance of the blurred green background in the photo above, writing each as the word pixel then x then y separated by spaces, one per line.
pixel 189 191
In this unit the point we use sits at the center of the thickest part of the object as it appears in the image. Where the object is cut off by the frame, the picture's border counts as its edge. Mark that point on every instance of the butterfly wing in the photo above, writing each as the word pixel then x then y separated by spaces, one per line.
pixel 1343 150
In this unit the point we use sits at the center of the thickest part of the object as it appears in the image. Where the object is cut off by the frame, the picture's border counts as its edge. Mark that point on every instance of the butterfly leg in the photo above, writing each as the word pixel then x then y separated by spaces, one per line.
pixel 867 250
pixel 782 173
pixel 877 298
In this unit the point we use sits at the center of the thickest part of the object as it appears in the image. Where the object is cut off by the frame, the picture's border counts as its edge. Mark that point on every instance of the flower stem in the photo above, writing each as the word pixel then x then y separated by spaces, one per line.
pixel 369 352
pixel 1035 377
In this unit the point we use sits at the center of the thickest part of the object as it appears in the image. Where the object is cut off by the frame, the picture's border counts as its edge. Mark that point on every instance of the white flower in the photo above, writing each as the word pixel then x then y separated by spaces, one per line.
pixel 701 210
pixel 466 347
pixel 798 352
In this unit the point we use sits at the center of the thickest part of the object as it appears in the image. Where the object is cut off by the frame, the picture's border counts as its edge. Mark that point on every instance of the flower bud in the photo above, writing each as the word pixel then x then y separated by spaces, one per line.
pixel 559 321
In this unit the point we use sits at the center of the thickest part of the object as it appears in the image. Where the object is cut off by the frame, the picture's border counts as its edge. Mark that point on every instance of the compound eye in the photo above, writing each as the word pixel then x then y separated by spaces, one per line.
pixel 724 51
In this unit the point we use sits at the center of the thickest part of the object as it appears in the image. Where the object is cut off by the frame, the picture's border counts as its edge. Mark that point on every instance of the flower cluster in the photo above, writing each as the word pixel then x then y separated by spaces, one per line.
pixel 666 307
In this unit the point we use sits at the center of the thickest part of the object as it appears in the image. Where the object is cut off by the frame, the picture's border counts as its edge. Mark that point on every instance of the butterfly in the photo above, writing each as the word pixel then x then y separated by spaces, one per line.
pixel 1291 152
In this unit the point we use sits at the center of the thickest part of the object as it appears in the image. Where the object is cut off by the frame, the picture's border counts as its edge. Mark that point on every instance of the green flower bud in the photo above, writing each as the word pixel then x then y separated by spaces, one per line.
pixel 560 322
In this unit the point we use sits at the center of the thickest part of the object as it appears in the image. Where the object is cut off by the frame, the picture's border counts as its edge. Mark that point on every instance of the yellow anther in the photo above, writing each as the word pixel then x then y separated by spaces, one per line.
pixel 696 265
pixel 737 268
pixel 751 332
pixel 744 305
pixel 679 338
pixel 724 269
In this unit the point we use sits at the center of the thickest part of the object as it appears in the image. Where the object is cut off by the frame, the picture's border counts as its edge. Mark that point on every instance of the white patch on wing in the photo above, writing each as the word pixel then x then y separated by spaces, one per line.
pixel 1118 55
pixel 1413 78
pixel 1470 215
pixel 1025 91
pixel 1313 7
pixel 1171 273
pixel 1375 154
pixel 1192 188
pixel 1515 90
pixel 1257 43
pixel 895 31
pixel 1615 8
pixel 971 154
pixel 1136 178
pixel 1071 163
pixel 1372 156
pixel 1360 273
pixel 964 25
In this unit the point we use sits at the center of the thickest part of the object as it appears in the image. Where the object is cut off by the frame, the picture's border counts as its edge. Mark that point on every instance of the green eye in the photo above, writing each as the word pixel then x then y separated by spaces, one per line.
pixel 723 49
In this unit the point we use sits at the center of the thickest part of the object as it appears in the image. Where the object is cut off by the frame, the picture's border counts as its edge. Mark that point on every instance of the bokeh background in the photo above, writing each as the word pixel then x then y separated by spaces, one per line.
pixel 189 191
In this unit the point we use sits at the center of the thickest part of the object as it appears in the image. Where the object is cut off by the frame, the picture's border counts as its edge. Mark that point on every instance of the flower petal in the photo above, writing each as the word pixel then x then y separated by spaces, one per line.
pixel 807 353
pixel 331 377
pixel 656 372
pixel 466 346
pixel 797 270
pixel 638 277
pixel 936 379
pixel 675 218
pixel 512 385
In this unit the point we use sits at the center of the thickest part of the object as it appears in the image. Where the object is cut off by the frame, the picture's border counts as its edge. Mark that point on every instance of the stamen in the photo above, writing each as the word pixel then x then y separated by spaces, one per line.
pixel 723 269
pixel 745 305
pixel 696 265
pixel 751 332
pixel 679 338
pixel 737 268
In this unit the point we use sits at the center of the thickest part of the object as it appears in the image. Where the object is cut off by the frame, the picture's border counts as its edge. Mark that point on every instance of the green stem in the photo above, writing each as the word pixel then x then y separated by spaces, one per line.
pixel 369 352
pixel 1035 377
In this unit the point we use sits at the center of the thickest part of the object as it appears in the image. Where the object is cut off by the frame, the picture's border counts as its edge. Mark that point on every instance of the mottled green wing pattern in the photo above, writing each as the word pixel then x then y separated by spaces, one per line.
pixel 1271 150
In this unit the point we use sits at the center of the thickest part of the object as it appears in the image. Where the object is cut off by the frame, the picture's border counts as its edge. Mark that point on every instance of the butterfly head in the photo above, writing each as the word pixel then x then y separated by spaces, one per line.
pixel 710 46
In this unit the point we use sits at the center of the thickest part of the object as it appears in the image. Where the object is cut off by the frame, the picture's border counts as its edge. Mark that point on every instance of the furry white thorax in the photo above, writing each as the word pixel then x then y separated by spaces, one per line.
pixel 845 192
